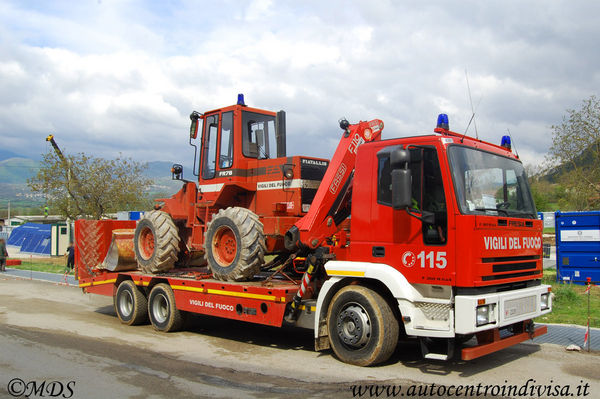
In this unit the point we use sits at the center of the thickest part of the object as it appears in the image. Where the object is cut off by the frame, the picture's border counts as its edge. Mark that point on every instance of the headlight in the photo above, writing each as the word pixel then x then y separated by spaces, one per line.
pixel 545 301
pixel 485 315
pixel 288 172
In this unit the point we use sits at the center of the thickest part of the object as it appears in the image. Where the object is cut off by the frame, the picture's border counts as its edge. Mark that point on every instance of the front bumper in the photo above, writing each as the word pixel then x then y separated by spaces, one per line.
pixel 506 308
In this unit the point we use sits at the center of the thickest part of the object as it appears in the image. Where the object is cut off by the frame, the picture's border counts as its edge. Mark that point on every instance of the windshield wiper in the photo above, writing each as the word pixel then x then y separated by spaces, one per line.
pixel 493 210
pixel 525 213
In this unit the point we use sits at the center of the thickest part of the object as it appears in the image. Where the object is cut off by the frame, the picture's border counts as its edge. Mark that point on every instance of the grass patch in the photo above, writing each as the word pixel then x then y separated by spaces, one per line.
pixel 49 265
pixel 570 303
pixel 549 230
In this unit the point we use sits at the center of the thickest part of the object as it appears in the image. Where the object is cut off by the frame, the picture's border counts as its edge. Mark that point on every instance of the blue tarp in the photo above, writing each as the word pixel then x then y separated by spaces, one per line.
pixel 32 238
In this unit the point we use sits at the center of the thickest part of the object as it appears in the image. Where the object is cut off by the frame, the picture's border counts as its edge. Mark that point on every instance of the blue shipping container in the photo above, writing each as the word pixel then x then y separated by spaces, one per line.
pixel 577 246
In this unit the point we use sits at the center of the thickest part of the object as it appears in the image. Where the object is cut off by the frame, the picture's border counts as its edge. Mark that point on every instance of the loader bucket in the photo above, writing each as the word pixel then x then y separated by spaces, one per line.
pixel 120 255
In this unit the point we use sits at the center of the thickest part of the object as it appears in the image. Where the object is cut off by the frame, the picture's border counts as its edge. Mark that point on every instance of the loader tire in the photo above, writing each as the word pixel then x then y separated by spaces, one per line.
pixel 235 244
pixel 156 242
pixel 362 327
pixel 164 315
pixel 131 304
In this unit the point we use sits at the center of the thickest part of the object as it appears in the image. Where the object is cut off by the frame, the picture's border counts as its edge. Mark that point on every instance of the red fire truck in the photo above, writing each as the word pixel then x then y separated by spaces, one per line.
pixel 430 237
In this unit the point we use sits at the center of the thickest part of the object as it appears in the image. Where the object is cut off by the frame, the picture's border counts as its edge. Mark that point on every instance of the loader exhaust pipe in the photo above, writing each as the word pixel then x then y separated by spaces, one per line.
pixel 280 134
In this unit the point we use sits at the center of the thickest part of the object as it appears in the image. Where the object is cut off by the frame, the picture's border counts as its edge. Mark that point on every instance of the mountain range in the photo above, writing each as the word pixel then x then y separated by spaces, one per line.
pixel 16 169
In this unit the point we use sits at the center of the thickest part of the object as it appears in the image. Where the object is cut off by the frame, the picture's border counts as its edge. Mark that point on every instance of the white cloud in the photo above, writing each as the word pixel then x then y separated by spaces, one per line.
pixel 109 77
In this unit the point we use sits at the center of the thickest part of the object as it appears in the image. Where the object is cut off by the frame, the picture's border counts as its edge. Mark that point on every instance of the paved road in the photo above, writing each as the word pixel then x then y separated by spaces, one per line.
pixel 563 335
pixel 53 332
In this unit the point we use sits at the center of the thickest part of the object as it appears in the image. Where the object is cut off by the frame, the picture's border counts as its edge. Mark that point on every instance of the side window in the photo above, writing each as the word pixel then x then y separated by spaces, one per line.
pixel 258 135
pixel 427 189
pixel 226 153
pixel 270 140
pixel 209 146
pixel 384 180
pixel 434 199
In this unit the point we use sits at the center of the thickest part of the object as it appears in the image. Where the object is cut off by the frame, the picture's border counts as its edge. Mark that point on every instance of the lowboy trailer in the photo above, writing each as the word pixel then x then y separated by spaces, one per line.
pixel 429 237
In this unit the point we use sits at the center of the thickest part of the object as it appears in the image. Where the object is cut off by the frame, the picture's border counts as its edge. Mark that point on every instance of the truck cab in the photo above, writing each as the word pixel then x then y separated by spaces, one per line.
pixel 448 224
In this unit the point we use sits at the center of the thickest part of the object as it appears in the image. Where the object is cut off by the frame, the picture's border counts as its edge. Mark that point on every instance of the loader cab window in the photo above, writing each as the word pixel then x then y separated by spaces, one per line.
pixel 258 135
pixel 226 152
pixel 427 189
pixel 209 146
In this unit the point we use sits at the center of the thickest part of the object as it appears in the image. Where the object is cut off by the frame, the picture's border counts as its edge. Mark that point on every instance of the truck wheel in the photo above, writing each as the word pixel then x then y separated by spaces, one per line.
pixel 235 244
pixel 164 315
pixel 131 304
pixel 362 327
pixel 156 242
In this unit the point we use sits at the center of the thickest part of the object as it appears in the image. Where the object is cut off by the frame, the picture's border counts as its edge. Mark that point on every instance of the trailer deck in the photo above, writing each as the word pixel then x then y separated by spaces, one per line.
pixel 262 300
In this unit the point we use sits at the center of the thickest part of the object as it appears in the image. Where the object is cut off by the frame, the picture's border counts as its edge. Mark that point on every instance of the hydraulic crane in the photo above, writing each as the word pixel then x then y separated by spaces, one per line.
pixel 71 177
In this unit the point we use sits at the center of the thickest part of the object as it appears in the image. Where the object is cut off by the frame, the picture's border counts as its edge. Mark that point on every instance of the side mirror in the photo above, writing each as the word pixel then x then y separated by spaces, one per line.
pixel 399 158
pixel 177 172
pixel 401 178
pixel 401 188
pixel 195 118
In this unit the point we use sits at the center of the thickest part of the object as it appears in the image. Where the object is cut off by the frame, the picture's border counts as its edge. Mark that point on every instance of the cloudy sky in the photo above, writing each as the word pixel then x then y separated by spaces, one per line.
pixel 108 76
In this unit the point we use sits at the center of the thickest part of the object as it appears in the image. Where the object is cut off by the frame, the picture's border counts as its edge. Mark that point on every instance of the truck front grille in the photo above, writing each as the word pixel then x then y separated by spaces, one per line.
pixel 520 266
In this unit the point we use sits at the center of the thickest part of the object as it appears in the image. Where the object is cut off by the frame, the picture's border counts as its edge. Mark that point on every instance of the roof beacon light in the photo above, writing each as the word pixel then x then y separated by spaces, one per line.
pixel 241 100
pixel 442 122
pixel 505 142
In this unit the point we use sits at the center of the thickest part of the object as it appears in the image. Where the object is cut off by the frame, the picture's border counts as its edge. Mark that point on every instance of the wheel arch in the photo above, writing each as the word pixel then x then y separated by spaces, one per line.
pixel 155 281
pixel 383 279
pixel 119 280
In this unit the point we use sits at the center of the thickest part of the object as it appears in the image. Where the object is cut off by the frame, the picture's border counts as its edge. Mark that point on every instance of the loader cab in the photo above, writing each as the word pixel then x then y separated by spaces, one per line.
pixel 233 138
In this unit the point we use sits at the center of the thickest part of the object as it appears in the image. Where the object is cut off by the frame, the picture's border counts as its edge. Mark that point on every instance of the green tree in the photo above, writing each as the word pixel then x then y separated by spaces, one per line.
pixel 90 187
pixel 576 151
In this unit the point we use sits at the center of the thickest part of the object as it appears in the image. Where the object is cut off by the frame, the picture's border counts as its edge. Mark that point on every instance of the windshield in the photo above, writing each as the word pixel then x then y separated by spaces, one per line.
pixel 490 184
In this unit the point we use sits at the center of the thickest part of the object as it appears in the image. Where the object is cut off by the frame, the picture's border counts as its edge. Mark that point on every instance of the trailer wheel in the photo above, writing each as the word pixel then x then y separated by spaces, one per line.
pixel 235 244
pixel 163 313
pixel 131 304
pixel 156 242
pixel 362 327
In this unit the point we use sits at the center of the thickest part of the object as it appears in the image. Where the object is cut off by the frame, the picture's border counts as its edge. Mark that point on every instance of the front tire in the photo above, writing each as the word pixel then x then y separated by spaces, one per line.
pixel 131 304
pixel 163 313
pixel 362 327
pixel 235 244
pixel 156 242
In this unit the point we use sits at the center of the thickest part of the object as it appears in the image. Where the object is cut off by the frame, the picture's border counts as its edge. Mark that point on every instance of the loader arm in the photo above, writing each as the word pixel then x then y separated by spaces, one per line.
pixel 331 205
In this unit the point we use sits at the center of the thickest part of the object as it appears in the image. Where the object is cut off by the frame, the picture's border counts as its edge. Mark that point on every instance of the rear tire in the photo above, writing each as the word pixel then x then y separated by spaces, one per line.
pixel 163 313
pixel 131 304
pixel 235 244
pixel 362 327
pixel 156 242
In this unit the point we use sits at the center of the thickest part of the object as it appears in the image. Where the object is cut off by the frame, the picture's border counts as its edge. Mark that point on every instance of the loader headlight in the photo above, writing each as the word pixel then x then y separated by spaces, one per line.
pixel 545 301
pixel 485 315
pixel 288 172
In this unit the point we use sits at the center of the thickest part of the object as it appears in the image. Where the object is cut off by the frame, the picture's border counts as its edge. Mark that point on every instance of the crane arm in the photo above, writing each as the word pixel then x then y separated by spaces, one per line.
pixel 331 205
pixel 67 167
pixel 62 158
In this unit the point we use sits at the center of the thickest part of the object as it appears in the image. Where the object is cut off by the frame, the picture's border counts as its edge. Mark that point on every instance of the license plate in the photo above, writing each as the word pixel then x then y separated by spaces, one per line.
pixel 519 306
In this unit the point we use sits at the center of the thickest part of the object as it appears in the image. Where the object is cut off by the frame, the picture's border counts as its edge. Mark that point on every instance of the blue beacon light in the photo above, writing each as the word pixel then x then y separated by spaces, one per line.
pixel 442 122
pixel 241 100
pixel 506 142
